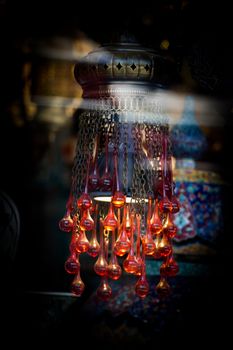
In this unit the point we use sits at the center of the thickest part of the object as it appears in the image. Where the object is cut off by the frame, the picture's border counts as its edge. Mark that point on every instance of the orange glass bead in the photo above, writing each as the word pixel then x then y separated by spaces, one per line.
pixel 170 228
pixel 72 265
pixel 148 243
pixel 164 246
pixel 157 254
pixel 94 181
pixel 106 182
pixel 73 242
pixel 104 291
pixel 163 288
pixel 155 223
pixel 127 221
pixel 165 205
pixel 118 199
pixel 82 244
pixel 169 267
pixel 77 286
pixel 84 202
pixel 130 264
pixel 114 270
pixel 122 244
pixel 175 205
pixel 110 221
pixel 94 247
pixel 142 288
pixel 66 223
pixel 101 265
pixel 86 222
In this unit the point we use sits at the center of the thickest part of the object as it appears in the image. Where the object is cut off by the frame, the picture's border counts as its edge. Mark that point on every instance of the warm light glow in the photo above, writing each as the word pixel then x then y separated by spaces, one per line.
pixel 107 199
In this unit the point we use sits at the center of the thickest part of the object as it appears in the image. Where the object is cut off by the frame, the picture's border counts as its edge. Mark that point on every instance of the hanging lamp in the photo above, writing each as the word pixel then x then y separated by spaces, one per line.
pixel 121 203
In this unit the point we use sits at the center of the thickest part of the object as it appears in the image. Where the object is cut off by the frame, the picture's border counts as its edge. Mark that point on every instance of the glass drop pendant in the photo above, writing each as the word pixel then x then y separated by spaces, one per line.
pixel 106 179
pixel 86 223
pixel 155 223
pixel 66 223
pixel 142 287
pixel 169 267
pixel 84 202
pixel 72 265
pixel 114 269
pixel 148 243
pixel 165 205
pixel 118 199
pixel 130 264
pixel 170 228
pixel 82 244
pixel 164 246
pixel 101 265
pixel 110 222
pixel 122 244
pixel 104 291
pixel 94 247
pixel 163 288
pixel 77 286
pixel 175 205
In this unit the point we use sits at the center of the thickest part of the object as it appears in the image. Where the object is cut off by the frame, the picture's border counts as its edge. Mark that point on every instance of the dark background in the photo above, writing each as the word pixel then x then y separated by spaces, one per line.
pixel 192 27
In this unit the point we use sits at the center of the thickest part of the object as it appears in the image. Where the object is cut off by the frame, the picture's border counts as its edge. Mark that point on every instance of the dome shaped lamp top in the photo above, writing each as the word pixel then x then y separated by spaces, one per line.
pixel 122 63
